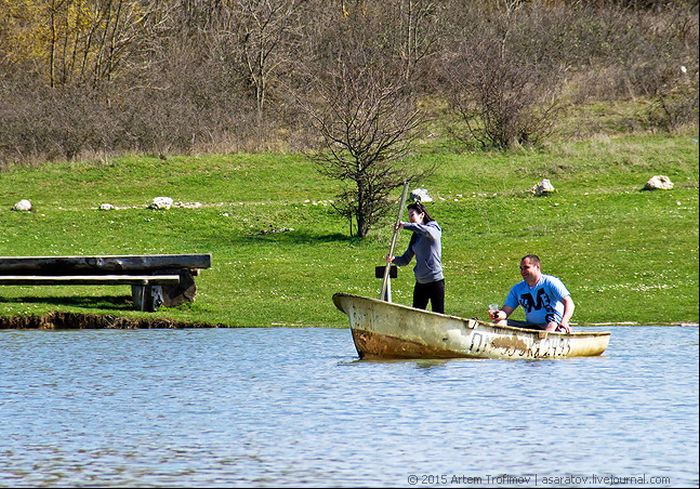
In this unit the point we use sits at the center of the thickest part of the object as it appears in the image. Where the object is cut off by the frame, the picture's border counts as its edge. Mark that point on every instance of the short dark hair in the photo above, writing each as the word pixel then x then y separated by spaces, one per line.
pixel 420 208
pixel 533 259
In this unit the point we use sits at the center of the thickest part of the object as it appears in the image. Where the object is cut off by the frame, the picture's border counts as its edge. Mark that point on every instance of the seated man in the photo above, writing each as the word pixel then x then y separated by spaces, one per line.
pixel 547 302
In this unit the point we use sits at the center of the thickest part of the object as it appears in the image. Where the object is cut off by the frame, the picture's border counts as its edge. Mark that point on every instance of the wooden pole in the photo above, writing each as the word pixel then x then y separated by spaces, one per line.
pixel 383 293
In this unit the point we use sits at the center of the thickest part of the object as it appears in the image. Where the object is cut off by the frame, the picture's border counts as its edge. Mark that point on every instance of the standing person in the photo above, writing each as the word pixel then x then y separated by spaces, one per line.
pixel 426 245
pixel 546 300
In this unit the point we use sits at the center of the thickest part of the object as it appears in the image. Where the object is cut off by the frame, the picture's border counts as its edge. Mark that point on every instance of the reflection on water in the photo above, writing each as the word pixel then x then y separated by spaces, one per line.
pixel 295 407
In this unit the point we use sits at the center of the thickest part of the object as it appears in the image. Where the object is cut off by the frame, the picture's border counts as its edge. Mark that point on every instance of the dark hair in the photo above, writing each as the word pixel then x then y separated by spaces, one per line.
pixel 533 259
pixel 420 208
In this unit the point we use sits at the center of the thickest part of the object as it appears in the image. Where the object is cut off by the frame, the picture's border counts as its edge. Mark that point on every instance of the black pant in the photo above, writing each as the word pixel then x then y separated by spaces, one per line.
pixel 526 325
pixel 433 292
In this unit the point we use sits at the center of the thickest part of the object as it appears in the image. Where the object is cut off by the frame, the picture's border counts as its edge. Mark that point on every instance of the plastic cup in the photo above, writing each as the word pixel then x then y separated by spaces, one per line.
pixel 493 309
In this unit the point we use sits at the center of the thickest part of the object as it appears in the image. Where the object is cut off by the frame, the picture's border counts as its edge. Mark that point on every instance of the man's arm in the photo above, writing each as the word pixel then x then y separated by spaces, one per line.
pixel 568 312
pixel 501 316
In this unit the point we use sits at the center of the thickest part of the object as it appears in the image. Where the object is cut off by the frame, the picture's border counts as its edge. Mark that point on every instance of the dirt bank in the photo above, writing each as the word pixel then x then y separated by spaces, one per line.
pixel 72 320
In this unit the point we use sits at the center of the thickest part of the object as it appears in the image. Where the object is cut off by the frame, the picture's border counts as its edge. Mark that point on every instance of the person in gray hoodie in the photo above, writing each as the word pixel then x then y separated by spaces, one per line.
pixel 426 246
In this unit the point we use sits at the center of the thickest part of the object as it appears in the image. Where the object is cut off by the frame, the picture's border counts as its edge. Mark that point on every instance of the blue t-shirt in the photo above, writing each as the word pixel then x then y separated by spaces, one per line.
pixel 542 303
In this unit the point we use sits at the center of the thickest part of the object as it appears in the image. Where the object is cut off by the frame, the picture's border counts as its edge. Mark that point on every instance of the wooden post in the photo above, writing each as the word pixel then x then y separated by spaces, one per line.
pixel 404 194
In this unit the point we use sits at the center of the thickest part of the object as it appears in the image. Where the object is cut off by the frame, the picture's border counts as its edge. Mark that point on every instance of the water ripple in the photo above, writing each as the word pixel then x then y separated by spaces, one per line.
pixel 296 408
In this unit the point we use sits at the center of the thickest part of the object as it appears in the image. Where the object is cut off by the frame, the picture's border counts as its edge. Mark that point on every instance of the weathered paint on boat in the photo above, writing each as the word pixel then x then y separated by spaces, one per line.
pixel 385 330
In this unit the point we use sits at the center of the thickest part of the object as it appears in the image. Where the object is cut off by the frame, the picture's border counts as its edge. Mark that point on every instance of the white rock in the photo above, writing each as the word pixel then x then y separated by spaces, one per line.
pixel 106 207
pixel 161 203
pixel 542 188
pixel 23 205
pixel 420 195
pixel 659 182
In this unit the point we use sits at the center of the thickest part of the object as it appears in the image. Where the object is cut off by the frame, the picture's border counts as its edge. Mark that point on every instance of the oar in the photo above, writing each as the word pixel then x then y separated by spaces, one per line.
pixel 387 270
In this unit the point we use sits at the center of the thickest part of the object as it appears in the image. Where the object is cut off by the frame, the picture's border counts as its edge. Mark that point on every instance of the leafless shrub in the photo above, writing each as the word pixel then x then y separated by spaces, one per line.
pixel 55 124
pixel 503 78
pixel 643 50
pixel 671 80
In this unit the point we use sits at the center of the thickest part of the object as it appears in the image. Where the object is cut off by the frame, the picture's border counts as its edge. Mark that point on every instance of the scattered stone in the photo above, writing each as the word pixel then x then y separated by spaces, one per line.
pixel 106 207
pixel 272 230
pixel 659 182
pixel 188 205
pixel 23 205
pixel 161 203
pixel 543 188
pixel 420 195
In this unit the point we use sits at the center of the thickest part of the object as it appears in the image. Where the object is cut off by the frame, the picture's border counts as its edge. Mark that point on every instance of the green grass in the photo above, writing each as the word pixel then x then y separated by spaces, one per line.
pixel 625 254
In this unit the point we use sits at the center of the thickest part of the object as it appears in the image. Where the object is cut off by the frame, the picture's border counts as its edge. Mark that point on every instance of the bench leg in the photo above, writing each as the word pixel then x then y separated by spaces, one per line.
pixel 139 294
pixel 156 294
pixel 174 295
pixel 147 297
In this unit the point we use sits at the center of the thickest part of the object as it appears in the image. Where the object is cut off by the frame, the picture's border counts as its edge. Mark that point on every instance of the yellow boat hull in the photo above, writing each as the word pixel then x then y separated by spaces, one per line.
pixel 386 330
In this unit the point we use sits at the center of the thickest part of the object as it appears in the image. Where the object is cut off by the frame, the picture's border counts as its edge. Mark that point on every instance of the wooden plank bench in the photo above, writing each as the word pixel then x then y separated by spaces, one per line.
pixel 155 279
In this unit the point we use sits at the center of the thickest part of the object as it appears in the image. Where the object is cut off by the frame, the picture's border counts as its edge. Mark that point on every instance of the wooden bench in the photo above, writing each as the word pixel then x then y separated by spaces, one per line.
pixel 155 279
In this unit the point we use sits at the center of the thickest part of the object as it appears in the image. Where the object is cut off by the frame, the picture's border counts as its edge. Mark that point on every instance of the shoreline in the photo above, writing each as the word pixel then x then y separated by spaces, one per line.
pixel 57 320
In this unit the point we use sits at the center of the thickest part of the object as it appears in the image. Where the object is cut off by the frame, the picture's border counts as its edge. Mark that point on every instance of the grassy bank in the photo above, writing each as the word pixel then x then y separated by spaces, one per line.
pixel 279 252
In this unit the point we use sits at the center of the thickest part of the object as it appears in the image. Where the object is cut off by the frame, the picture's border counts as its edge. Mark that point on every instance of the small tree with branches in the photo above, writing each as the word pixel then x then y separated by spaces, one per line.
pixel 365 113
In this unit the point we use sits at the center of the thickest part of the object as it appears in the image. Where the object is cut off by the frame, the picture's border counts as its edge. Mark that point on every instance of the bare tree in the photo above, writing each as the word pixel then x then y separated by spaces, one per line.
pixel 419 26
pixel 365 112
pixel 263 28
pixel 89 40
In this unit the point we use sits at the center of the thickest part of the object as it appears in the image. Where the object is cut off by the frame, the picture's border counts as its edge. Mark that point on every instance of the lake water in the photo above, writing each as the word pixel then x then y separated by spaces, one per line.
pixel 295 408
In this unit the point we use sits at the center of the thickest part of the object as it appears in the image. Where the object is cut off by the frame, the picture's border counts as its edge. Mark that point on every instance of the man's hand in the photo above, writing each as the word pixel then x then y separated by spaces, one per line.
pixel 565 326
pixel 551 326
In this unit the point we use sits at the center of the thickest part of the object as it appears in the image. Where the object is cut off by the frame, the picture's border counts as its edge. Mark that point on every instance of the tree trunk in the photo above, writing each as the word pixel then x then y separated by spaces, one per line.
pixel 362 224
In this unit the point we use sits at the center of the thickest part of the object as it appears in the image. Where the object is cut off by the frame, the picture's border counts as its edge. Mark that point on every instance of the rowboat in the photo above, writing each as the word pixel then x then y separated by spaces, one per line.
pixel 385 330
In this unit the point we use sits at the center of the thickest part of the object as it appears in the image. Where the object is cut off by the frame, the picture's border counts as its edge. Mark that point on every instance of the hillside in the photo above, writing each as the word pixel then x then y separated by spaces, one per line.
pixel 279 251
